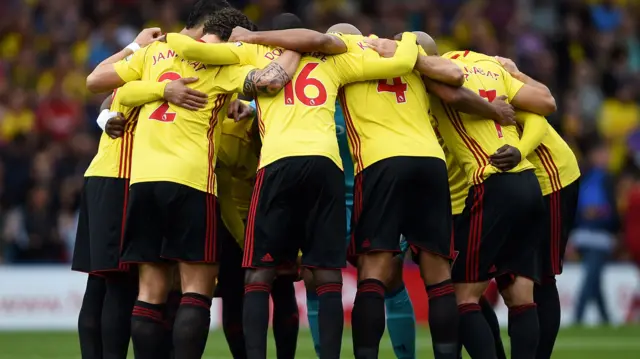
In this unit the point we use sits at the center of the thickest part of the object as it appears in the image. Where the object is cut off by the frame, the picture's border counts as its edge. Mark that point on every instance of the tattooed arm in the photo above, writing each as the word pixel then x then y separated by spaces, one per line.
pixel 270 80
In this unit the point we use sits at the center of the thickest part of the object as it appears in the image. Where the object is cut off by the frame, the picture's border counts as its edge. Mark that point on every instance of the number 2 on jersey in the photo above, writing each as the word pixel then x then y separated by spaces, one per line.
pixel 398 87
pixel 293 91
pixel 490 95
pixel 161 113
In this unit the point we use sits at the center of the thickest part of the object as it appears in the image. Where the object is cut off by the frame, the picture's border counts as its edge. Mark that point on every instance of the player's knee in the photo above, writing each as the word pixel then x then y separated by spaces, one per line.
pixel 307 277
pixel 467 293
pixel 396 280
pixel 376 265
pixel 520 292
pixel 198 278
pixel 323 276
pixel 154 283
pixel 434 268
pixel 262 275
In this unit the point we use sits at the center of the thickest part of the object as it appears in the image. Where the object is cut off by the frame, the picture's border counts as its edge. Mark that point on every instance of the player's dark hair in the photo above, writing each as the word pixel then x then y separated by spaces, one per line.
pixel 203 10
pixel 286 21
pixel 223 22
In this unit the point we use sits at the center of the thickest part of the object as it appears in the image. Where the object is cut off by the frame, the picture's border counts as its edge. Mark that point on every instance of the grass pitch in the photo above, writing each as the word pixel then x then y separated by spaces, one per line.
pixel 573 343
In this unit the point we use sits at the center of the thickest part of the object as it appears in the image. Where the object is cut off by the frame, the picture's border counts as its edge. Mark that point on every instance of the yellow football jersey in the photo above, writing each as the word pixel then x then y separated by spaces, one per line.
pixel 386 118
pixel 458 185
pixel 114 155
pixel 556 165
pixel 174 144
pixel 299 121
pixel 237 164
pixel 472 139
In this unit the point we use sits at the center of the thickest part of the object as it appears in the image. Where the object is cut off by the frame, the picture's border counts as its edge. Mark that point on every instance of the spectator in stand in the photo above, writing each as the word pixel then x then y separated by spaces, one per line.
pixel 596 226
pixel 58 116
pixel 19 119
pixel 30 231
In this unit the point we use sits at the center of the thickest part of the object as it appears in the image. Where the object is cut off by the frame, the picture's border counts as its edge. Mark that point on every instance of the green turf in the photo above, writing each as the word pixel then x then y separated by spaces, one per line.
pixel 573 343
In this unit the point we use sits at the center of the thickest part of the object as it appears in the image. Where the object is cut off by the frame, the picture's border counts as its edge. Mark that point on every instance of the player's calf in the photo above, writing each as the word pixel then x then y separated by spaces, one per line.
pixel 328 283
pixel 401 320
pixel 523 315
pixel 443 310
pixel 147 320
pixel 547 299
pixel 89 320
pixel 121 291
pixel 191 326
pixel 367 318
pixel 255 319
pixel 286 320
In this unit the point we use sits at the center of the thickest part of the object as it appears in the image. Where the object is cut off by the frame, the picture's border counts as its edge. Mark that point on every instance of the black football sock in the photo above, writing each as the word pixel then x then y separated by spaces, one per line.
pixel 191 327
pixel 232 325
pixel 474 332
pixel 116 314
pixel 330 319
pixel 548 301
pixel 89 320
pixel 147 330
pixel 173 303
pixel 443 320
pixel 368 318
pixel 491 318
pixel 255 319
pixel 286 321
pixel 524 331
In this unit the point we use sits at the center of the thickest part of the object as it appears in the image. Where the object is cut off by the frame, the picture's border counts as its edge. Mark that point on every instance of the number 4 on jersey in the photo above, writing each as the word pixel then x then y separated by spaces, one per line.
pixel 398 87
pixel 491 95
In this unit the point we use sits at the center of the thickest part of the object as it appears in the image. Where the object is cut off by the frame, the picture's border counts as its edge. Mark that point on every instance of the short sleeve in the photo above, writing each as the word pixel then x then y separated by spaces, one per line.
pixel 131 68
pixel 232 77
pixel 512 84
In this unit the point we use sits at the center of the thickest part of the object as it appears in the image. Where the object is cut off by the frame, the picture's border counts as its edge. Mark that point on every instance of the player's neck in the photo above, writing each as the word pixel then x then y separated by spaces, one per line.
pixel 194 33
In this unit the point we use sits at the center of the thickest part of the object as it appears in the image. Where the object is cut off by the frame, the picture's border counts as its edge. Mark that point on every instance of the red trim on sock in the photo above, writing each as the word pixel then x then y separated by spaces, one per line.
pixel 468 308
pixel 195 302
pixel 370 288
pixel 519 309
pixel 147 313
pixel 440 291
pixel 329 288
pixel 257 287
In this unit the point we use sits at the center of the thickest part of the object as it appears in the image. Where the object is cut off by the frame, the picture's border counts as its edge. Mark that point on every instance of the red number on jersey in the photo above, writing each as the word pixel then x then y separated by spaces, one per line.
pixel 301 82
pixel 161 113
pixel 398 87
pixel 491 95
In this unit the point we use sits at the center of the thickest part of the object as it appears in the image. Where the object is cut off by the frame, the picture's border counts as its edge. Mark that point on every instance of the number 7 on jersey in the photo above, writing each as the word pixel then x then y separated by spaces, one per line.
pixel 490 95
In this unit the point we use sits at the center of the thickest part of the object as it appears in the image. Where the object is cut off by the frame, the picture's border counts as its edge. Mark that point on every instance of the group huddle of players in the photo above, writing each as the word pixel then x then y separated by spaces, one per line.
pixel 195 192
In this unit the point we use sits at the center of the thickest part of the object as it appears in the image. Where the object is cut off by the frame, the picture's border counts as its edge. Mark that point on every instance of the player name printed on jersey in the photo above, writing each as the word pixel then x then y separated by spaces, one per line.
pixel 161 125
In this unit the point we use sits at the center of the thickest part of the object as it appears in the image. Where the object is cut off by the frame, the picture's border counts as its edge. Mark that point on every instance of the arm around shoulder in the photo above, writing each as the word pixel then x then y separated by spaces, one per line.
pixel 270 80
pixel 535 99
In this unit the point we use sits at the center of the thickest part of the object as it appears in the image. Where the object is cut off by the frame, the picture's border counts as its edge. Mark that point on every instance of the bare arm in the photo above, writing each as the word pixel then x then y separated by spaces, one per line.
pixel 533 96
pixel 464 100
pixel 535 99
pixel 270 80
pixel 440 69
pixel 106 104
pixel 300 40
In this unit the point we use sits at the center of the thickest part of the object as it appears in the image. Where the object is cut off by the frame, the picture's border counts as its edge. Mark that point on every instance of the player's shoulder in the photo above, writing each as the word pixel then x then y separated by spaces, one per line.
pixel 353 42
pixel 469 56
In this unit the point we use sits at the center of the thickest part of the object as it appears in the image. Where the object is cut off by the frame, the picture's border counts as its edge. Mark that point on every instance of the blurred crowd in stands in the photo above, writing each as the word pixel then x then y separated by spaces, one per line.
pixel 587 52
